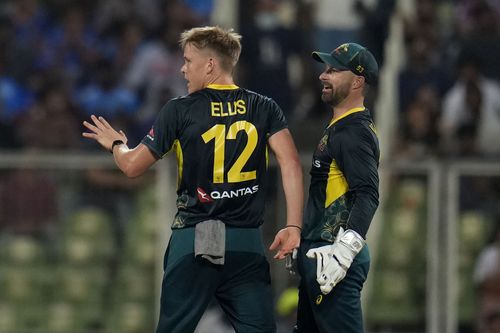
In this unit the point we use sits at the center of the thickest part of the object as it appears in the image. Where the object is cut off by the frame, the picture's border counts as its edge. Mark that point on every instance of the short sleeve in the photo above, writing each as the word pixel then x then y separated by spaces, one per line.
pixel 276 119
pixel 164 131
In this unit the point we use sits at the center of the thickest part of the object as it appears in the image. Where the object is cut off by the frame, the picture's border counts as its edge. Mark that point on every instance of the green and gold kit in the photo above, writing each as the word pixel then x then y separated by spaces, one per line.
pixel 344 178
pixel 219 135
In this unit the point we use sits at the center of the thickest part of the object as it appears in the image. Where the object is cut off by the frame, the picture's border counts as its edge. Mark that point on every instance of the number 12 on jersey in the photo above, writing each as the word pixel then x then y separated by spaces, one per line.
pixel 218 134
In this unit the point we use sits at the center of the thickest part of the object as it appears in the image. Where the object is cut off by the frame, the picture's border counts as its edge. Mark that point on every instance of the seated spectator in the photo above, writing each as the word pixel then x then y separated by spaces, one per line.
pixel 470 109
pixel 422 69
pixel 418 136
pixel 70 47
pixel 105 97
pixel 52 123
pixel 482 39
pixel 155 73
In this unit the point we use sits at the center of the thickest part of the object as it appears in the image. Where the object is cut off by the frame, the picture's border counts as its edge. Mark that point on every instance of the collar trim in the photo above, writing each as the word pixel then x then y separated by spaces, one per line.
pixel 222 86
pixel 351 111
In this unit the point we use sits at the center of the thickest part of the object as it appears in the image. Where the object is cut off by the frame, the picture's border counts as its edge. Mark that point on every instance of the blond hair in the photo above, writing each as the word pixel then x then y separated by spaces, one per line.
pixel 225 43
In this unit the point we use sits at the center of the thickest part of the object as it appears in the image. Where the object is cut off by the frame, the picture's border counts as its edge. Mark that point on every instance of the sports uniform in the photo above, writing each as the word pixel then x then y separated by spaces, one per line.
pixel 343 197
pixel 343 193
pixel 219 135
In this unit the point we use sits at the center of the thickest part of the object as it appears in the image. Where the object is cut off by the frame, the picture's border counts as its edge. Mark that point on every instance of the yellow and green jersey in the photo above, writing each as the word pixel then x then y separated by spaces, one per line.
pixel 344 178
pixel 219 135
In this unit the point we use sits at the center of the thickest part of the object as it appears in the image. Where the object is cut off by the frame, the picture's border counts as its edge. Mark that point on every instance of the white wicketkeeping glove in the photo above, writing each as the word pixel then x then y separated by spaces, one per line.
pixel 334 260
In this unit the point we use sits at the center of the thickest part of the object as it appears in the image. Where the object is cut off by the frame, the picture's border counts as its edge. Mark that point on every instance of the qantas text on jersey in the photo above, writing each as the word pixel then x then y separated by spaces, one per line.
pixel 217 195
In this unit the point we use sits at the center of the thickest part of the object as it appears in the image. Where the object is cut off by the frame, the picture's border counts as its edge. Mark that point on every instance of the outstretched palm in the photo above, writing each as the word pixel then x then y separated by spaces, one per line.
pixel 102 132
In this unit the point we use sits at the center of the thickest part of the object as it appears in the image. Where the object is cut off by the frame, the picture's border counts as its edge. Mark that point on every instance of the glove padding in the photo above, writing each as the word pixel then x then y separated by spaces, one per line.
pixel 334 260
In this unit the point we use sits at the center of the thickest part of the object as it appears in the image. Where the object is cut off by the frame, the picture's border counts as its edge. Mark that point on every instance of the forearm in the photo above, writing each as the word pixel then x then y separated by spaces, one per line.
pixel 133 162
pixel 362 212
pixel 293 186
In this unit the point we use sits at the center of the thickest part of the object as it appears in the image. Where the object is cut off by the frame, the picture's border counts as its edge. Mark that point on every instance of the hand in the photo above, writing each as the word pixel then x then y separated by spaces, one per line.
pixel 323 255
pixel 287 239
pixel 336 258
pixel 103 133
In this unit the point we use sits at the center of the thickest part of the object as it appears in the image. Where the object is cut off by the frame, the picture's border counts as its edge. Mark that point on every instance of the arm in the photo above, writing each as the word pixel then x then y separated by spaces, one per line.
pixel 357 157
pixel 358 161
pixel 288 238
pixel 133 162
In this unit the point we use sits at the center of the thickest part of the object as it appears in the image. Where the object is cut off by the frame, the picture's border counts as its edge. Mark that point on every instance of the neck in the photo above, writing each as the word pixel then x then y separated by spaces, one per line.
pixel 351 102
pixel 220 78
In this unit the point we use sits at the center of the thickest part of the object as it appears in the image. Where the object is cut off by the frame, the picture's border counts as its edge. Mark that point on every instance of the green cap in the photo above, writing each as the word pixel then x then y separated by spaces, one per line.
pixel 353 57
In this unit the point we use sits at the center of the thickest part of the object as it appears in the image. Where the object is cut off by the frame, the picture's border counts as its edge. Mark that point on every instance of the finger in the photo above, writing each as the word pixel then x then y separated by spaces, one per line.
pixel 280 255
pixel 104 122
pixel 90 126
pixel 89 135
pixel 319 264
pixel 311 254
pixel 275 243
pixel 97 122
pixel 326 289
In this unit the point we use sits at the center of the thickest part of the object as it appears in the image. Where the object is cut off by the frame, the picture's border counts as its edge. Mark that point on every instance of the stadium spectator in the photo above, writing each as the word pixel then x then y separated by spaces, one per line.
pixel 470 120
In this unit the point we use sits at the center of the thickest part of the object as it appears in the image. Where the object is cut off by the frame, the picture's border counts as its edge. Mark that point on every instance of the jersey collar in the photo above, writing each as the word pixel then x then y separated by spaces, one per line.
pixel 351 111
pixel 222 86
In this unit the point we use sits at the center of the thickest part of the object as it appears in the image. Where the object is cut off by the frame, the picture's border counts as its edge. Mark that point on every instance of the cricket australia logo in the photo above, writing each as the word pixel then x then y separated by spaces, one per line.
pixel 323 142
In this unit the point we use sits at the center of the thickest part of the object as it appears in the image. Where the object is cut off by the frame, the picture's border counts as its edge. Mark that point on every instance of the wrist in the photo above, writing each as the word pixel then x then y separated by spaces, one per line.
pixel 352 240
pixel 116 143
pixel 294 226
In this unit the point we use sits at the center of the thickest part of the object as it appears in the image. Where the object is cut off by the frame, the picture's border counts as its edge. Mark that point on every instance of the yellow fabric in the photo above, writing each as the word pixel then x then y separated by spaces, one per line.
pixel 351 111
pixel 176 146
pixel 222 86
pixel 336 185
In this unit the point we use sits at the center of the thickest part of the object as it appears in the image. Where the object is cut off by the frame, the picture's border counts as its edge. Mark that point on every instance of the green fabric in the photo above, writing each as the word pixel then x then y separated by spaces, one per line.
pixel 237 239
pixel 340 310
pixel 242 286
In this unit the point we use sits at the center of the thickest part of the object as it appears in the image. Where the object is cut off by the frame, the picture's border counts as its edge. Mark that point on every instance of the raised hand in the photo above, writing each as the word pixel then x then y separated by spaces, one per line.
pixel 103 132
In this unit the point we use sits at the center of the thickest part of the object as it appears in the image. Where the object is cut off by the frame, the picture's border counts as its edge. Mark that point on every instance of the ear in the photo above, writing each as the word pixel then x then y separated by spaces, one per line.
pixel 211 64
pixel 358 82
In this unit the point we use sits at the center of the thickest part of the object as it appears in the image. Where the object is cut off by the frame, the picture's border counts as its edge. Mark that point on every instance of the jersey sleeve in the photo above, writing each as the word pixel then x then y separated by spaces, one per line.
pixel 276 118
pixel 164 131
pixel 358 160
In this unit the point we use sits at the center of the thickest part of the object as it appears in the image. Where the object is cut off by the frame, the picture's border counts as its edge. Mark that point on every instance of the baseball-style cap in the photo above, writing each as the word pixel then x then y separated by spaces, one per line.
pixel 353 57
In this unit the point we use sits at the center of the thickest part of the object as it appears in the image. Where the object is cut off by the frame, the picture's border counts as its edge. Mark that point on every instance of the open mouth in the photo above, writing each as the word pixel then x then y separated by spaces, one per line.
pixel 326 89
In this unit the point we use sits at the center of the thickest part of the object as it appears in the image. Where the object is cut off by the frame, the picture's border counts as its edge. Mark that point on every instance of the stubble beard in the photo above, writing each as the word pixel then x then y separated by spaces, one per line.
pixel 336 96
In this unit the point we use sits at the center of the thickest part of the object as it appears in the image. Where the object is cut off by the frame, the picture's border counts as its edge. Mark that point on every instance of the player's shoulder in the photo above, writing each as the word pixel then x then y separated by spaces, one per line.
pixel 357 126
pixel 184 102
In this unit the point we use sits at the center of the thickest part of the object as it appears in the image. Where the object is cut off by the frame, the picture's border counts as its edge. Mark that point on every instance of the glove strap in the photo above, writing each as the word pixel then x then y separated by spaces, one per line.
pixel 352 240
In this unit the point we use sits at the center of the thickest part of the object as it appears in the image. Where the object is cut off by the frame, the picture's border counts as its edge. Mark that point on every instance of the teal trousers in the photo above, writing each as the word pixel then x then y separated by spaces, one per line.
pixel 340 310
pixel 242 286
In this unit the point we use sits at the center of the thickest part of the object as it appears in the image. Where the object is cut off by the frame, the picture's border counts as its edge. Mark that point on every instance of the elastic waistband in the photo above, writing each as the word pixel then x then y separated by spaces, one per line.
pixel 237 239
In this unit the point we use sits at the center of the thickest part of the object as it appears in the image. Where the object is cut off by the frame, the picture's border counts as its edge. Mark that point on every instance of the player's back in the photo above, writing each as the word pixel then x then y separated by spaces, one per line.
pixel 220 137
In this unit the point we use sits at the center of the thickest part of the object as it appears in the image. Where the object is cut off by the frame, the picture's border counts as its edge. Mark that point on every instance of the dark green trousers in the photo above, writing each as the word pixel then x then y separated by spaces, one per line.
pixel 241 286
pixel 340 310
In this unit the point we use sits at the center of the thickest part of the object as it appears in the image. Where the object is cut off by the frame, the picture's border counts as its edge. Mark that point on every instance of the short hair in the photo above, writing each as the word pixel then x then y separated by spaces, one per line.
pixel 225 43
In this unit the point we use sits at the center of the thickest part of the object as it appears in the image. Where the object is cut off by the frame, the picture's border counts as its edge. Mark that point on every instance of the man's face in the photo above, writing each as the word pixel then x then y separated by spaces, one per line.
pixel 195 68
pixel 336 85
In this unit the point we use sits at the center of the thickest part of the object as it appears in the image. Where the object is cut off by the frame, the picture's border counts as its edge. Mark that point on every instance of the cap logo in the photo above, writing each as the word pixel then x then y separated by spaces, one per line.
pixel 342 48
pixel 360 69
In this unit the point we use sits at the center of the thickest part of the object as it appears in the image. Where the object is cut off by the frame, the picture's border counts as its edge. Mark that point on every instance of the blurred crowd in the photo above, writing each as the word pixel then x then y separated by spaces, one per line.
pixel 449 93
pixel 61 61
